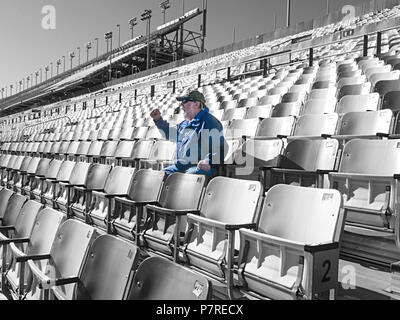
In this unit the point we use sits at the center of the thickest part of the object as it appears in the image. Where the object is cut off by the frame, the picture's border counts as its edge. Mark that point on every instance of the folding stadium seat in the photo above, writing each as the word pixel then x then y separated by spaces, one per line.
pixel 94 152
pixel 367 178
pixel 286 109
pixel 51 185
pixel 44 182
pixel 62 152
pixel 162 155
pixel 385 86
pixel 82 151
pixel 390 75
pixel 37 169
pixel 6 169
pixel 178 283
pixel 100 208
pixel 107 152
pixel 64 261
pixel 371 124
pixel 239 128
pixel 258 112
pixel 328 93
pixel 274 127
pixel 167 221
pixel 269 100
pixel 37 243
pixel 81 196
pixel 19 174
pixel 106 254
pixel 358 103
pixel 17 233
pixel 210 241
pixel 282 259
pixel 11 171
pixel 72 150
pixel 355 89
pixel 304 162
pixel 350 81
pixel 129 211
pixel 315 125
pixel 235 113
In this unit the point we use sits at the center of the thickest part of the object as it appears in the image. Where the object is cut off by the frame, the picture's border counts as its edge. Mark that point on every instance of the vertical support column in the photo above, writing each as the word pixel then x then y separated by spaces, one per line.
pixel 152 90
pixel 135 94
pixel 174 86
pixel 106 100
pixel 365 47
pixel 379 44
pixel 311 57
pixel 229 73
pixel 120 97
pixel 94 103
pixel 199 81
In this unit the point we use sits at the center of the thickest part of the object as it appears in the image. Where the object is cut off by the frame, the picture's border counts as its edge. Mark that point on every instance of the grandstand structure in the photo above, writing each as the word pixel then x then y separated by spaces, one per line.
pixel 87 214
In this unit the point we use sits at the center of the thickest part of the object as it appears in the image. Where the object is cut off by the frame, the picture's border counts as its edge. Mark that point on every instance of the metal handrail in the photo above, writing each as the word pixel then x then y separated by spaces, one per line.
pixel 44 122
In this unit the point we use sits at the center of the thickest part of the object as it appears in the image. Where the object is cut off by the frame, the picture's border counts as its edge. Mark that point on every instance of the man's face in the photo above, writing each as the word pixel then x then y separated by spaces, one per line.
pixel 191 109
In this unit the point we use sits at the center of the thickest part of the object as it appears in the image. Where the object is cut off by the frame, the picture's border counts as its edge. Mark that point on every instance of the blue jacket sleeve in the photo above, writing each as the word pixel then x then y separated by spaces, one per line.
pixel 216 153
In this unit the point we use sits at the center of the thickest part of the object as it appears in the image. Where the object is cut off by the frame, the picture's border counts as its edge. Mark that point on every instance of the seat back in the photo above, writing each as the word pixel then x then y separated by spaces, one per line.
pixel 79 173
pixel 259 112
pixel 260 152
pixel 146 185
pixel 371 157
pixel 53 169
pixel 124 150
pixel 108 269
pixel 273 127
pixel 97 176
pixel 310 154
pixel 26 219
pixel 73 148
pixel 366 123
pixel 25 164
pixel 108 149
pixel 286 109
pixel 163 150
pixel 178 184
pixel 142 149
pixel 119 181
pixel 65 171
pixel 308 209
pixel 13 209
pixel 42 167
pixel 231 201
pixel 5 196
pixel 316 125
pixel 68 251
pixel 358 103
pixel 160 279
pixel 83 148
pixel 95 148
pixel 17 163
pixel 319 106
pixel 33 165
pixel 239 128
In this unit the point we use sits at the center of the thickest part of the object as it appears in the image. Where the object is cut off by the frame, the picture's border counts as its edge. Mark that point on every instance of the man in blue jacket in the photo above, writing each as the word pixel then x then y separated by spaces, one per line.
pixel 201 145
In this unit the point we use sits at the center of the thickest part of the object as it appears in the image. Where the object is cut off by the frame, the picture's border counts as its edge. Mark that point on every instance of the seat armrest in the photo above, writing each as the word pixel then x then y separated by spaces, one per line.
pixel 136 203
pixel 33 257
pixel 321 247
pixel 49 283
pixel 171 212
pixel 15 240
pixel 230 227
pixel 7 228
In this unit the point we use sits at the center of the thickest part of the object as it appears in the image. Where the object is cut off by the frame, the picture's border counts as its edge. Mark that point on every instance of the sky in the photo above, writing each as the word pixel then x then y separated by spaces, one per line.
pixel 27 47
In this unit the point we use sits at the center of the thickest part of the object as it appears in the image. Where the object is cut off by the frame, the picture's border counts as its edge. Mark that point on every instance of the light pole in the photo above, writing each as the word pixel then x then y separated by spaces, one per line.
pixel 2 93
pixel 97 47
pixel 64 62
pixel 108 37
pixel 51 63
pixel 79 56
pixel 165 5
pixel 46 70
pixel 132 24
pixel 72 56
pixel 20 85
pixel 11 88
pixel 37 75
pixel 146 15
pixel 119 35
pixel 88 47
pixel 58 63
